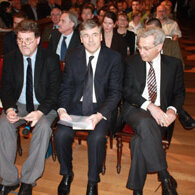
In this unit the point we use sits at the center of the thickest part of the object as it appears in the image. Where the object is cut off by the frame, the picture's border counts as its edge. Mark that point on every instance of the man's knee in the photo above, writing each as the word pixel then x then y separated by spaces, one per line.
pixel 63 133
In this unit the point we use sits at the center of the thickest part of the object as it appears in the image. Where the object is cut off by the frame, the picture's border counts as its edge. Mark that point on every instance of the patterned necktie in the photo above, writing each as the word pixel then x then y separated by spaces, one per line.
pixel 63 49
pixel 151 82
pixel 29 87
pixel 87 105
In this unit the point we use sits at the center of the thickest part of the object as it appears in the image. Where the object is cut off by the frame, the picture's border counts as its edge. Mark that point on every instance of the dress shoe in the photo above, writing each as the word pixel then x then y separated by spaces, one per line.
pixel 186 120
pixel 137 192
pixel 92 189
pixel 25 189
pixel 64 187
pixel 4 190
pixel 169 186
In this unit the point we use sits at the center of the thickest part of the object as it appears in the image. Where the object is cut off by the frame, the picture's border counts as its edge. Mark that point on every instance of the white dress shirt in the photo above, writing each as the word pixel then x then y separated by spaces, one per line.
pixel 67 40
pixel 157 69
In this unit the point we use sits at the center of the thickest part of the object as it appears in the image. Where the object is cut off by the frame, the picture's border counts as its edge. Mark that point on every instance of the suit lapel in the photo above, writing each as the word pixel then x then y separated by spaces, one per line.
pixel 141 68
pixel 19 69
pixel 38 67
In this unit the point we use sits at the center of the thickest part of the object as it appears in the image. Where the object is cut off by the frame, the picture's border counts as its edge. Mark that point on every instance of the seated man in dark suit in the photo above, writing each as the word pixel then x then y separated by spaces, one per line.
pixel 30 84
pixel 91 87
pixel 172 48
pixel 153 92
pixel 9 40
pixel 32 10
pixel 65 37
pixel 55 18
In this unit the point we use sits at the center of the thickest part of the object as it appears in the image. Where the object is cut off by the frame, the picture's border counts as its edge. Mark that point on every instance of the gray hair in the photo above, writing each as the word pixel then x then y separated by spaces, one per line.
pixel 157 33
pixel 89 24
pixel 73 17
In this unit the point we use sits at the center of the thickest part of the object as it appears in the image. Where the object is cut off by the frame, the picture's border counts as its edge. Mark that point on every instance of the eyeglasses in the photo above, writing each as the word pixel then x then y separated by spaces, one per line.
pixel 27 41
pixel 145 48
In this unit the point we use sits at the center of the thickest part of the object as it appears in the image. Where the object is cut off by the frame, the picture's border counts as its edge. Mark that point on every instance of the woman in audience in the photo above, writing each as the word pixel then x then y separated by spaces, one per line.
pixel 6 19
pixel 129 36
pixel 110 37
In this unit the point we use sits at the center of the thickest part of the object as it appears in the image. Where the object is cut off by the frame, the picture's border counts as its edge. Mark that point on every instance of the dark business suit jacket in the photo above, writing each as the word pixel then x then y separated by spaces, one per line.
pixel 9 42
pixel 118 44
pixel 28 11
pixel 107 80
pixel 47 78
pixel 172 91
pixel 55 37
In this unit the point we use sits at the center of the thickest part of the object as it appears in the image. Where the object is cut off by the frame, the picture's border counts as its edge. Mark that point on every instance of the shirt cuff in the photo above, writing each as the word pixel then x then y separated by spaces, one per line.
pixel 61 109
pixel 102 116
pixel 144 106
pixel 173 108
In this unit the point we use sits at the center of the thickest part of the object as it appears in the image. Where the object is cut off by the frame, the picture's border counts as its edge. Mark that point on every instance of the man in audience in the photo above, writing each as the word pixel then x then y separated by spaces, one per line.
pixel 55 18
pixel 30 85
pixel 9 40
pixel 32 10
pixel 153 93
pixel 91 87
pixel 169 26
pixel 100 15
pixel 172 48
pixel 87 13
pixel 65 38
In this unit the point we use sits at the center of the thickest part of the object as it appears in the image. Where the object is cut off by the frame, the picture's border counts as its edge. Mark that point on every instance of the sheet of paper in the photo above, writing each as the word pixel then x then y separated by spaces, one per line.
pixel 78 123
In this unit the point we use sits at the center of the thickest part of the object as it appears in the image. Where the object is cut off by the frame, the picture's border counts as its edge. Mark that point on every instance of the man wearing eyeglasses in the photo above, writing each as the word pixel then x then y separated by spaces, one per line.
pixel 153 92
pixel 30 83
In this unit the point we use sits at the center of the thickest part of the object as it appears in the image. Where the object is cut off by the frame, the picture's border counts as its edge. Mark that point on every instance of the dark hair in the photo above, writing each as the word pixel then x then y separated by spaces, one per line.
pixel 4 5
pixel 111 15
pixel 20 14
pixel 87 6
pixel 89 24
pixel 154 21
pixel 28 26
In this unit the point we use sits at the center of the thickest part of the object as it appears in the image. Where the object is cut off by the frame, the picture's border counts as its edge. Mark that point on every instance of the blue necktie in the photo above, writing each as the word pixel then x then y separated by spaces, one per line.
pixel 87 105
pixel 63 49
pixel 29 87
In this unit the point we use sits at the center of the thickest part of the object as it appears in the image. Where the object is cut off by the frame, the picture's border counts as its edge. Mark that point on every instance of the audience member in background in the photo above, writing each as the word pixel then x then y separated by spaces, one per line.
pixel 65 38
pixel 6 19
pixel 153 93
pixel 46 8
pixel 99 5
pixel 119 4
pixel 110 37
pixel 9 40
pixel 112 8
pixel 122 29
pixel 55 18
pixel 172 48
pixel 168 5
pixel 83 94
pixel 135 25
pixel 16 6
pixel 31 9
pixel 169 26
pixel 30 86
pixel 87 13
pixel 100 14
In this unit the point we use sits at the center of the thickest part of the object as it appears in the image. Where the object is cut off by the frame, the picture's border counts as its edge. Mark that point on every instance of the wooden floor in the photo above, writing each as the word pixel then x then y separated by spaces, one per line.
pixel 180 156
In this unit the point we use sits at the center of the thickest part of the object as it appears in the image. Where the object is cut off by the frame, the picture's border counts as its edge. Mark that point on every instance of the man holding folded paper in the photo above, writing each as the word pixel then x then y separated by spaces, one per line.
pixel 91 87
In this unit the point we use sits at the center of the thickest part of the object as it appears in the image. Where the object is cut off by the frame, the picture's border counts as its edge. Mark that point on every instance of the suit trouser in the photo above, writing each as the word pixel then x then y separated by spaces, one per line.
pixel 147 154
pixel 64 137
pixel 33 167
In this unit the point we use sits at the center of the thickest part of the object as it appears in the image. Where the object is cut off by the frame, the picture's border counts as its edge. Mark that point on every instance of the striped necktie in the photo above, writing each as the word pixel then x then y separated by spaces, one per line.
pixel 151 82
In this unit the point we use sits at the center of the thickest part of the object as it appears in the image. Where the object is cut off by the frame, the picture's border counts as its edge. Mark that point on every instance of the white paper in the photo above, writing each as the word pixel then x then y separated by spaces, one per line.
pixel 78 123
